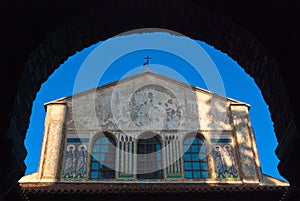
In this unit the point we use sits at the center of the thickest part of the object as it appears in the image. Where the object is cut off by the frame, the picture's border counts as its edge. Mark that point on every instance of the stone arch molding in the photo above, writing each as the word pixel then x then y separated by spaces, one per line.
pixel 111 19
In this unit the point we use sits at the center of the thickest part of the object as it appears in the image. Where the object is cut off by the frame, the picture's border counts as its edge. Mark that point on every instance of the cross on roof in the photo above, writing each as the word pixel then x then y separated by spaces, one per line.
pixel 147 60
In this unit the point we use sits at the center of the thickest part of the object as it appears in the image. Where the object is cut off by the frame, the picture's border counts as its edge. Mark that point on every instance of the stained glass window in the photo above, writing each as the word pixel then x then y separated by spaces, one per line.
pixel 103 158
pixel 195 158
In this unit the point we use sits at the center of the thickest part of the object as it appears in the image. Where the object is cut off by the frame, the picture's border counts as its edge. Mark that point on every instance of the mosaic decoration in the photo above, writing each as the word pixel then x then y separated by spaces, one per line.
pixel 75 159
pixel 70 159
pixel 172 153
pixel 156 107
pixel 126 156
pixel 225 163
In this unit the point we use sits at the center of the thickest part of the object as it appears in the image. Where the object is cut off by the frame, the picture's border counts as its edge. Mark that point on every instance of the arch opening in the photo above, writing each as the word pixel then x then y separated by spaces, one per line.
pixel 282 115
pixel 243 89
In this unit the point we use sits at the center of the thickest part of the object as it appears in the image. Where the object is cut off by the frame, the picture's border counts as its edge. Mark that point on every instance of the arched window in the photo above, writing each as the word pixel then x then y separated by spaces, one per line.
pixel 149 160
pixel 195 158
pixel 103 158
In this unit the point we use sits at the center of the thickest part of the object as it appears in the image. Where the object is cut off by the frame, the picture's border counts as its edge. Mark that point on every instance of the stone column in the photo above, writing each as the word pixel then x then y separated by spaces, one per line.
pixel 51 146
pixel 245 143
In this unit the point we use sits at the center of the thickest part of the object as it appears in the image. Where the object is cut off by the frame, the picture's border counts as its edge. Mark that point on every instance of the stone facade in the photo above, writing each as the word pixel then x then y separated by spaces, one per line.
pixel 141 107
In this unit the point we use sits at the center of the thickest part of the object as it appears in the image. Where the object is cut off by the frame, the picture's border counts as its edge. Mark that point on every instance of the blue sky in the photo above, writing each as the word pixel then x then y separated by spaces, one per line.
pixel 237 85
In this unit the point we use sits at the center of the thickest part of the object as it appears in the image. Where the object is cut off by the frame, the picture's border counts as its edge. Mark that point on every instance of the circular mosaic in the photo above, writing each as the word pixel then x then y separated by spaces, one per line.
pixel 155 107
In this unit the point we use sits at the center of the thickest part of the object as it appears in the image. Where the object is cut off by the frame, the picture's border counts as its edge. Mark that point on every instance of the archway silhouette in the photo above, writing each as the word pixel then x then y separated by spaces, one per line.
pixel 61 83
pixel 112 18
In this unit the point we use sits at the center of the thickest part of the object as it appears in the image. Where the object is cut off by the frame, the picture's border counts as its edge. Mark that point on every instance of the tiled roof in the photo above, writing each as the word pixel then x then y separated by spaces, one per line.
pixel 151 192
pixel 138 187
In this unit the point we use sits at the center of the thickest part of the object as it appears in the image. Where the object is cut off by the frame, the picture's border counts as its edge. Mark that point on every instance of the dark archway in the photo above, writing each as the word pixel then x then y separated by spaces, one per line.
pixel 44 35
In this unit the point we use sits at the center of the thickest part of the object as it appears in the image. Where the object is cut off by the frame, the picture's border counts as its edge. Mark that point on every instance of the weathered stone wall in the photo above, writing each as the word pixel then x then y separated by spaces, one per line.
pixel 52 141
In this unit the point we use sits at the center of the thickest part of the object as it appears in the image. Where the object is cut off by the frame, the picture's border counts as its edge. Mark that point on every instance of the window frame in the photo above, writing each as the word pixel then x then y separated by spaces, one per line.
pixel 204 162
pixel 111 139
pixel 162 170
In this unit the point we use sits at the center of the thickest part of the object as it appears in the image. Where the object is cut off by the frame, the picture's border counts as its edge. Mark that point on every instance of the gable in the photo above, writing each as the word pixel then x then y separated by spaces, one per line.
pixel 147 101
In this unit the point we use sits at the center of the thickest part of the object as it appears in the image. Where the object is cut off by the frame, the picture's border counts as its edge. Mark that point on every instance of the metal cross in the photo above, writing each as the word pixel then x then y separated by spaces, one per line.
pixel 147 60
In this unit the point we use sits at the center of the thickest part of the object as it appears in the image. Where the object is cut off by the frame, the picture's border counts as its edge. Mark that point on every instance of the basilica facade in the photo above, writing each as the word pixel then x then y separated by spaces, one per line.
pixel 150 134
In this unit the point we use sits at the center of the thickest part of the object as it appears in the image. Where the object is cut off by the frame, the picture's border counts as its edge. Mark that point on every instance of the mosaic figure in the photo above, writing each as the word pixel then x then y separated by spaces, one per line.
pixel 229 162
pixel 81 161
pixel 219 162
pixel 70 159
